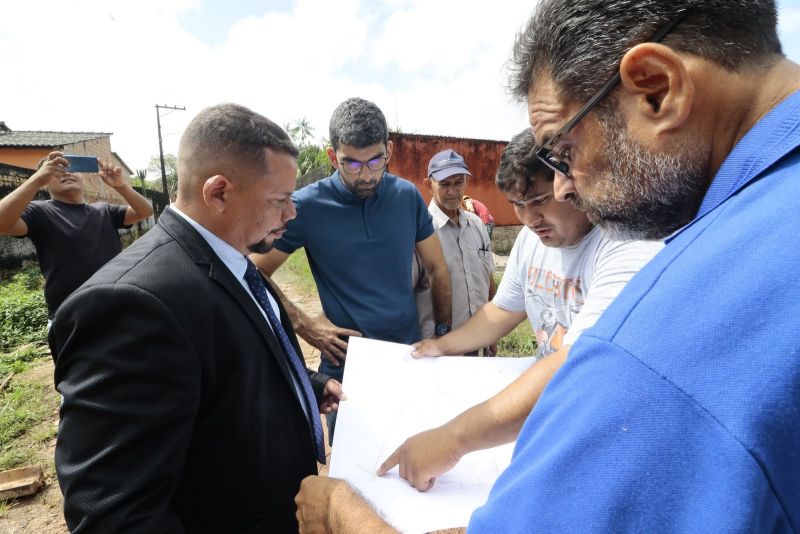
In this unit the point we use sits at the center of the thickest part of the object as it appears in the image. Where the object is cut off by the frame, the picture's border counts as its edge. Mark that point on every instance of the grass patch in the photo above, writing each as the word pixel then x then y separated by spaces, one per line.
pixel 19 360
pixel 27 405
pixel 297 271
pixel 26 428
pixel 519 342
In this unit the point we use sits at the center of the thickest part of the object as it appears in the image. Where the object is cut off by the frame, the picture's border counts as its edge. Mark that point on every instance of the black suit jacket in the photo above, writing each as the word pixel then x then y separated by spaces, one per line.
pixel 179 412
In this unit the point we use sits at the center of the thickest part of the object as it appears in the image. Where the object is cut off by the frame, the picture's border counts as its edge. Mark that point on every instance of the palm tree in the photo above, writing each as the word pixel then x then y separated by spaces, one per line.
pixel 304 130
pixel 300 132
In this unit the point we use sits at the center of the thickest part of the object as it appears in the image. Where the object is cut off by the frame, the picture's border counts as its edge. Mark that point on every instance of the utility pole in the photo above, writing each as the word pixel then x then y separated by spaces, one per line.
pixel 161 147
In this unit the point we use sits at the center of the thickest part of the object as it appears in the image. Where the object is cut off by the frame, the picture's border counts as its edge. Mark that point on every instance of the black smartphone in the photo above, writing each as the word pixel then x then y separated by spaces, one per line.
pixel 81 163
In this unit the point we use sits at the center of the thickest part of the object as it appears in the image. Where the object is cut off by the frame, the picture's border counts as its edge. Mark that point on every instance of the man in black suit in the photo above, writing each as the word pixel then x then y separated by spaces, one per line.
pixel 186 405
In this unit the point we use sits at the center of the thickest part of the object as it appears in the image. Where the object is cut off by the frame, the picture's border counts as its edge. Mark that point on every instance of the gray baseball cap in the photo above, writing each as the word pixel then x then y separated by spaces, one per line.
pixel 445 164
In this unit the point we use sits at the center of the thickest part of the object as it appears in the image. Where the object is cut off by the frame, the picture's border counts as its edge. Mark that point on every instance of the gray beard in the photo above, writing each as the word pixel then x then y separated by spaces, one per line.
pixel 644 195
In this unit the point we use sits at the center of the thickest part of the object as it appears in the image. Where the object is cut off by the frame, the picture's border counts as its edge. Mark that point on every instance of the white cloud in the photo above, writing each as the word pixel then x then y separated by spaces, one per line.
pixel 103 65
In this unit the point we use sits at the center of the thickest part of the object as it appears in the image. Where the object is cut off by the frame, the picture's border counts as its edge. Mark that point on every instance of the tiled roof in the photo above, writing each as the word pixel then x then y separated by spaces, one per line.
pixel 46 139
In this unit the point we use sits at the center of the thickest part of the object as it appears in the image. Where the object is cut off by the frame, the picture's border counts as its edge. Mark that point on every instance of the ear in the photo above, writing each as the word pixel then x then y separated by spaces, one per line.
pixel 659 88
pixel 428 186
pixel 332 157
pixel 215 192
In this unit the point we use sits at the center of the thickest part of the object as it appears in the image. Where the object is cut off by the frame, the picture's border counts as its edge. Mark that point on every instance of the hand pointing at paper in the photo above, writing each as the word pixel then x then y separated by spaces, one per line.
pixel 425 456
pixel 496 421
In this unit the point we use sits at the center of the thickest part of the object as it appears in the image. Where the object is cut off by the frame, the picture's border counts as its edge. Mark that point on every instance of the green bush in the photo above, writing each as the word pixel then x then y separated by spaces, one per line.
pixel 23 311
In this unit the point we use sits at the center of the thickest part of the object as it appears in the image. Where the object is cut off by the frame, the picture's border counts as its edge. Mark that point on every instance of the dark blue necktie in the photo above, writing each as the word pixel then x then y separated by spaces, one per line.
pixel 256 284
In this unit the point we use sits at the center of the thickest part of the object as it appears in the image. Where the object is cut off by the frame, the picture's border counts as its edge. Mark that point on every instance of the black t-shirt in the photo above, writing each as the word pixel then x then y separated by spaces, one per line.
pixel 72 241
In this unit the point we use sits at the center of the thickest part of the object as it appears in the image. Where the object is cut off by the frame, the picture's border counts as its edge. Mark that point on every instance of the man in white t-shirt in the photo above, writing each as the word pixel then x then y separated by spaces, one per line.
pixel 563 289
pixel 562 274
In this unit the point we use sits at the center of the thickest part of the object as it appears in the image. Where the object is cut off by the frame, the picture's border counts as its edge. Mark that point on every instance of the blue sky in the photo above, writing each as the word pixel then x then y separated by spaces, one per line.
pixel 433 66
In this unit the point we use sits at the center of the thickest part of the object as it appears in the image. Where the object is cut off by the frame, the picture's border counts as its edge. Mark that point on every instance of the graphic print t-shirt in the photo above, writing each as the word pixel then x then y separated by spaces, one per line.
pixel 563 290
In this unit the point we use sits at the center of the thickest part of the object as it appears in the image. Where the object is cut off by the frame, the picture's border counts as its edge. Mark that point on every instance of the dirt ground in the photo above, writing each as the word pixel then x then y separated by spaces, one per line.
pixel 42 513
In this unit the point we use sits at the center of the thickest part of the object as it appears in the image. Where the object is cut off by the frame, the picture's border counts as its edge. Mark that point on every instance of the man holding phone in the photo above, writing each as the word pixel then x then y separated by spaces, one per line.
pixel 73 239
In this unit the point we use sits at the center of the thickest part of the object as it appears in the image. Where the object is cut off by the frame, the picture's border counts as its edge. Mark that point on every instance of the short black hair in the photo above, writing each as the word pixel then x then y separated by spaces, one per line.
pixel 359 123
pixel 224 138
pixel 236 130
pixel 519 166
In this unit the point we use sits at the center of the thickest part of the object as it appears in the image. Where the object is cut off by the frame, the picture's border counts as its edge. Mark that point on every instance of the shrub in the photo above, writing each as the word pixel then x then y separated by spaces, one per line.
pixel 23 311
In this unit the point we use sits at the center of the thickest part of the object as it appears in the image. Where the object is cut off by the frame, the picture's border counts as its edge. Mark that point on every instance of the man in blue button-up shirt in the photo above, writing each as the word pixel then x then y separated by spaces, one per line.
pixel 678 411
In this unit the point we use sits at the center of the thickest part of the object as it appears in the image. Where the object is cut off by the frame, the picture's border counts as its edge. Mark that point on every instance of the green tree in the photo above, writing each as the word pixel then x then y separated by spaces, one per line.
pixel 313 157
pixel 171 168
pixel 301 131
pixel 141 174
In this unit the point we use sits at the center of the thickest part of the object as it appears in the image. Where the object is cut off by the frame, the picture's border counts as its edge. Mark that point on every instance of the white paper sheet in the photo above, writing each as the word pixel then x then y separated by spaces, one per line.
pixel 392 396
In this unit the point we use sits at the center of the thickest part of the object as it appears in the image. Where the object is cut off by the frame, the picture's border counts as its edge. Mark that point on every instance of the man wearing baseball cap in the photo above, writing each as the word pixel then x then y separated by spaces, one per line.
pixel 465 243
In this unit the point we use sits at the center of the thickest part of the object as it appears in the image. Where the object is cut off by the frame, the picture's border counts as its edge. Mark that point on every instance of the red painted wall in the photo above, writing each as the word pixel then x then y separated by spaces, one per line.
pixel 412 152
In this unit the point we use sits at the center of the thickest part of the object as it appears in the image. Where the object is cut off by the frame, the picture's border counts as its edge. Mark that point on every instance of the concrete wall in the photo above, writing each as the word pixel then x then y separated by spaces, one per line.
pixel 14 251
pixel 503 238
pixel 412 152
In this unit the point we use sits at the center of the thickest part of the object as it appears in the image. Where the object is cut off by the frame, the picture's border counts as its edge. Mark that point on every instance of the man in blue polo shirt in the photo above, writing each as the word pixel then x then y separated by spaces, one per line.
pixel 360 227
pixel 678 411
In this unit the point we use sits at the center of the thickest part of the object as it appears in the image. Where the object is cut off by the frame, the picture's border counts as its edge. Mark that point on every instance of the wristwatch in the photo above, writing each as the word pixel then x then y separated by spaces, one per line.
pixel 441 329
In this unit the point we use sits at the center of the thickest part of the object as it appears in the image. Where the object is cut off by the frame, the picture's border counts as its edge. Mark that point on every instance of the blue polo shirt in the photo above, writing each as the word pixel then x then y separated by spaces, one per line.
pixel 360 253
pixel 680 410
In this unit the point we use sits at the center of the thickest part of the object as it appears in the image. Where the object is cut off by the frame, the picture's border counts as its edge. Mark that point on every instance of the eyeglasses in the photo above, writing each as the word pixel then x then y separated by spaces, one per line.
pixel 354 167
pixel 545 152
